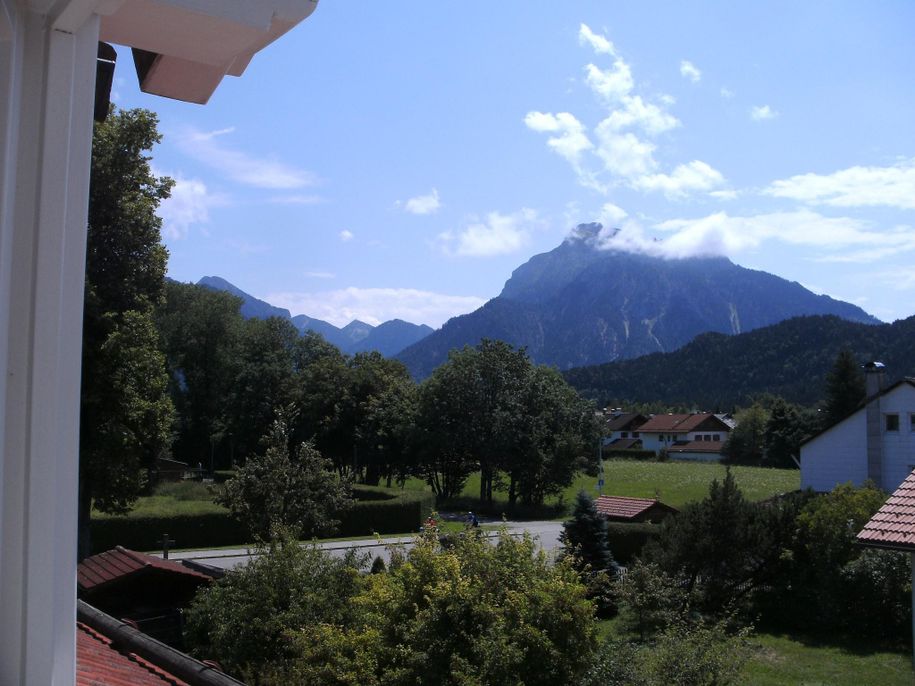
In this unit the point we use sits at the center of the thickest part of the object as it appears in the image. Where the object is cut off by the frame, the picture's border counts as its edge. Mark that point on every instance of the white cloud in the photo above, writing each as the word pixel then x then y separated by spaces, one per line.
pixel 610 84
pixel 762 112
pixel 423 204
pixel 600 44
pixel 722 234
pixel 726 93
pixel 189 204
pixel 688 70
pixel 499 234
pixel 377 305
pixel 346 235
pixel 686 178
pixel 636 112
pixel 611 215
pixel 250 170
pixel 571 141
pixel 622 151
pixel 892 186
pixel 319 275
pixel 728 194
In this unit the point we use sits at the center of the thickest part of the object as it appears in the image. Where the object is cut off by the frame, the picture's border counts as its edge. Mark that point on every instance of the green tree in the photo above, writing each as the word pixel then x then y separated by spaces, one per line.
pixel 584 536
pixel 844 388
pixel 649 599
pixel 725 548
pixel 125 412
pixel 200 329
pixel 476 613
pixel 746 442
pixel 243 619
pixel 787 427
pixel 293 488
pixel 263 381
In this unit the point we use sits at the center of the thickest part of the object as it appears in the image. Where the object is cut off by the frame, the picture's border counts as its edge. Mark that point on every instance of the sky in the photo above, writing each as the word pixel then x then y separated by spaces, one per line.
pixel 399 160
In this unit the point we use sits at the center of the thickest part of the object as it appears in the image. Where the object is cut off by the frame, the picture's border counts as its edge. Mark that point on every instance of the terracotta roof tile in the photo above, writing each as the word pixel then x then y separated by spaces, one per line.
pixel 893 525
pixel 106 567
pixel 620 506
pixel 100 663
pixel 625 421
pixel 680 423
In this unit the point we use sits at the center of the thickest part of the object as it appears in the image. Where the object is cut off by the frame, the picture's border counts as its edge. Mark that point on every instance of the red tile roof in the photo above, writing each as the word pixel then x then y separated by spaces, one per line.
pixel 628 508
pixel 698 447
pixel 100 570
pixel 624 443
pixel 893 526
pixel 680 423
pixel 99 663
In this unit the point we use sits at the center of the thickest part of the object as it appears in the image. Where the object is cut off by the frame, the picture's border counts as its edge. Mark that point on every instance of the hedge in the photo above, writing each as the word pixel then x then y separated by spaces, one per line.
pixel 626 540
pixel 377 510
pixel 632 454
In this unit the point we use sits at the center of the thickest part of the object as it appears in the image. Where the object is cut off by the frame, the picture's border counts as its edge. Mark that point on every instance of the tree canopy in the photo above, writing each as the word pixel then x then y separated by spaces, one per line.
pixel 125 412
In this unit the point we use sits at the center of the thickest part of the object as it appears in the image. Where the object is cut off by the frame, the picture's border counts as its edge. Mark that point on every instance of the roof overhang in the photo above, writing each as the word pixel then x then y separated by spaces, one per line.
pixel 184 48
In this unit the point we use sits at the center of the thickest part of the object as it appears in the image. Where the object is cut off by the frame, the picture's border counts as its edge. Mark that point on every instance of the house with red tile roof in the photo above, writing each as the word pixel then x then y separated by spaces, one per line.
pixel 114 653
pixel 698 435
pixel 893 528
pixel 145 589
pixel 623 509
pixel 875 442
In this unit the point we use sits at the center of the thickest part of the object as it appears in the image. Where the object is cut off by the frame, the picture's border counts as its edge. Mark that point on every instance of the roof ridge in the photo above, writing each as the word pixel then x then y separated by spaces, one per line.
pixel 164 657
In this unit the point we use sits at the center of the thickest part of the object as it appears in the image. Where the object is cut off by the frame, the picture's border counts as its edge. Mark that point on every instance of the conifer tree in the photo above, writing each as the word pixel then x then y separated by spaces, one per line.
pixel 844 387
pixel 585 536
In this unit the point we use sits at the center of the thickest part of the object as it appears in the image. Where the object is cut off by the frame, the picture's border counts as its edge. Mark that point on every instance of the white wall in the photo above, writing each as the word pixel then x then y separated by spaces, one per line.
pixel 839 455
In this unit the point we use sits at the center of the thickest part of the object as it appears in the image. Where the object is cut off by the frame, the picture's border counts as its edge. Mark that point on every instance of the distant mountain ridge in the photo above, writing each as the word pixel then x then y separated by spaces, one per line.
pixel 388 338
pixel 716 371
pixel 580 305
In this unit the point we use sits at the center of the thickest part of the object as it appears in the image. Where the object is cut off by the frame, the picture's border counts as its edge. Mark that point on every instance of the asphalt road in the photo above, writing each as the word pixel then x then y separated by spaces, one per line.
pixel 546 533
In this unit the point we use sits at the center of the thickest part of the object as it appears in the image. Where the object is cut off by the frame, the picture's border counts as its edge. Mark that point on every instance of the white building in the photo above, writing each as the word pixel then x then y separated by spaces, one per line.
pixel 696 436
pixel 48 51
pixel 876 441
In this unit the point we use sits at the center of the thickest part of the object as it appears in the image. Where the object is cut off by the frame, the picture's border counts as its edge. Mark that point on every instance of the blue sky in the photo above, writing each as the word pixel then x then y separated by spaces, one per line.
pixel 400 159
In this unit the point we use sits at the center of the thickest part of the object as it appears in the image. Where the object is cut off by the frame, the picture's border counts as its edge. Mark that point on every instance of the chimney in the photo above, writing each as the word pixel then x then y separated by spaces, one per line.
pixel 874 383
pixel 874 378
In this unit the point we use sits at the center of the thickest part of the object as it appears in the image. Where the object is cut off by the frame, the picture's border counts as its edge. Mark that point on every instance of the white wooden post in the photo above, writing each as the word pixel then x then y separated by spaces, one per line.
pixel 47 83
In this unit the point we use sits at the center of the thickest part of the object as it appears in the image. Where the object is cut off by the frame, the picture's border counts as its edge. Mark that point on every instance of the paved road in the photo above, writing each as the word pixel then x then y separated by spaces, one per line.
pixel 546 533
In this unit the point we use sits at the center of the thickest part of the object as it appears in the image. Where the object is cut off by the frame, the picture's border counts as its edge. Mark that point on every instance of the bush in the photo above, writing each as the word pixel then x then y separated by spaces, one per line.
pixel 626 540
pixel 388 511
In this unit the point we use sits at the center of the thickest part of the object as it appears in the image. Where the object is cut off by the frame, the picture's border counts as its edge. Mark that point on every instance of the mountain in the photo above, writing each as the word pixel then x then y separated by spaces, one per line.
pixel 580 305
pixel 716 371
pixel 251 307
pixel 391 337
pixel 388 338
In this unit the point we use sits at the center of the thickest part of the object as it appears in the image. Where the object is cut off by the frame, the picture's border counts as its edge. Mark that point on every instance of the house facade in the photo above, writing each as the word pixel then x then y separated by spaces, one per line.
pixel 695 436
pixel 876 441
pixel 622 430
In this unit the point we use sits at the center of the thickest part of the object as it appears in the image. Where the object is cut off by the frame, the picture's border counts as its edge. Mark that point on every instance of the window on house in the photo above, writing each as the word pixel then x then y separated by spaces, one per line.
pixel 892 422
pixel 624 434
pixel 717 437
pixel 912 423
pixel 635 434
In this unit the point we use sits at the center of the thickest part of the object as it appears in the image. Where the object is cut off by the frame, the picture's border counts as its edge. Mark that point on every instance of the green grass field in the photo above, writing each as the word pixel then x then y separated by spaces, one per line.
pixel 779 660
pixel 675 483
pixel 786 661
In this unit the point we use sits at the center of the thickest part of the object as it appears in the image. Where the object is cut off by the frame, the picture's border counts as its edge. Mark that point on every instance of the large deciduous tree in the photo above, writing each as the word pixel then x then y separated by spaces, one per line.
pixel 125 412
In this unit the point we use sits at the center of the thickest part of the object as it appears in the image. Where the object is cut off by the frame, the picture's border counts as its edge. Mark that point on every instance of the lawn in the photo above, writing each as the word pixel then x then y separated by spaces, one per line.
pixel 786 661
pixel 675 483
pixel 780 660
pixel 174 498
